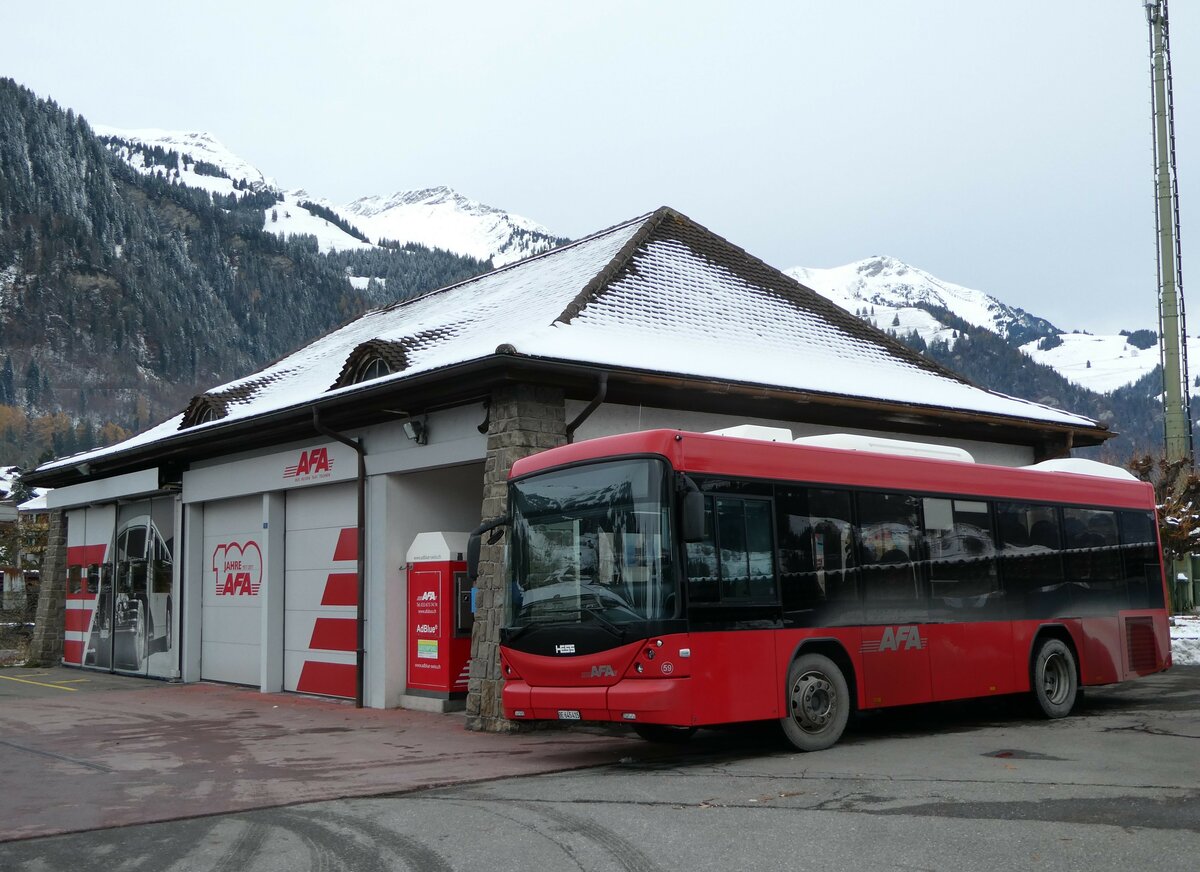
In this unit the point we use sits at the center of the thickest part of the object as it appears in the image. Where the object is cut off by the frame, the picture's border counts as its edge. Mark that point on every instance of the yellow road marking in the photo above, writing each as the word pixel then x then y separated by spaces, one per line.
pixel 73 681
pixel 38 683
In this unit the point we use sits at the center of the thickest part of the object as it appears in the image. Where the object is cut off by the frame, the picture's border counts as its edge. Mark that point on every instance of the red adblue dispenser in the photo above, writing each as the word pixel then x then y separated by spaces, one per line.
pixel 439 616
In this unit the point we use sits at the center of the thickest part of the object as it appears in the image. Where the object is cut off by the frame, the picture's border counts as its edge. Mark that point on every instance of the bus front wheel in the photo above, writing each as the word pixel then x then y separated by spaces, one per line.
pixel 818 701
pixel 1055 682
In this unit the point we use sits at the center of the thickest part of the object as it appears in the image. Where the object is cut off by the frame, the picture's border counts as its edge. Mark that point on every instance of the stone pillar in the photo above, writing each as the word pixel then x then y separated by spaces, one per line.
pixel 524 419
pixel 47 645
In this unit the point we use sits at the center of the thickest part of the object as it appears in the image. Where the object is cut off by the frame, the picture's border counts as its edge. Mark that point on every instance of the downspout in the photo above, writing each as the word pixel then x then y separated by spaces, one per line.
pixel 360 615
pixel 591 407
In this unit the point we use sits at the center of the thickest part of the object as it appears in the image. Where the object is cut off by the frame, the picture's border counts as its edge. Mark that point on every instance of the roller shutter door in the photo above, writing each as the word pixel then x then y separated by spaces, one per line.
pixel 231 630
pixel 321 590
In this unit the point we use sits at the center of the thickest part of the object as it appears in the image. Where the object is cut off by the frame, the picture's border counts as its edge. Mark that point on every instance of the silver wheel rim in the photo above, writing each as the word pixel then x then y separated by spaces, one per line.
pixel 813 702
pixel 1056 679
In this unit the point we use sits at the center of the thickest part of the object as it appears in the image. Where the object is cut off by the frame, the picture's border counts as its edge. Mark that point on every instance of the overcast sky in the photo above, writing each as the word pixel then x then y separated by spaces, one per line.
pixel 1005 146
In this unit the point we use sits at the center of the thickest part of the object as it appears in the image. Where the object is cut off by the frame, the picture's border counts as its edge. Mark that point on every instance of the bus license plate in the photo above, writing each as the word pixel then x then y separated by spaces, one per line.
pixel 568 715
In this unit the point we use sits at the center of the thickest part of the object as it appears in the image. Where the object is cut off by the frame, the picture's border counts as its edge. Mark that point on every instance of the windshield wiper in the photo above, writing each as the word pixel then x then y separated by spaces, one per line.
pixel 603 621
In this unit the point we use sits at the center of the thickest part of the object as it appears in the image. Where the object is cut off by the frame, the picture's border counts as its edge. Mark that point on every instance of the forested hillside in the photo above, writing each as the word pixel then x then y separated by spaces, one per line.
pixel 123 294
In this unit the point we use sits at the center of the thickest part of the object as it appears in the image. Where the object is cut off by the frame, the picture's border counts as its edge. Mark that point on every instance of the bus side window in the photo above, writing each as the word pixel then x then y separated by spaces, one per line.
pixel 816 555
pixel 1093 562
pixel 962 559
pixel 1031 560
pixel 747 567
pixel 702 566
pixel 891 560
pixel 735 560
pixel 1140 562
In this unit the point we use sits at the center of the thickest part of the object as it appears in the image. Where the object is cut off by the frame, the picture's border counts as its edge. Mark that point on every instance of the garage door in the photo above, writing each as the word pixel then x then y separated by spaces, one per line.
pixel 321 590
pixel 231 631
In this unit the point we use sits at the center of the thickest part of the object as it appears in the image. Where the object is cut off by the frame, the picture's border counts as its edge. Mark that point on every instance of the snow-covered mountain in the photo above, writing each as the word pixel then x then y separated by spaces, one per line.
pixel 893 284
pixel 435 217
pixel 194 150
pixel 892 295
pixel 441 218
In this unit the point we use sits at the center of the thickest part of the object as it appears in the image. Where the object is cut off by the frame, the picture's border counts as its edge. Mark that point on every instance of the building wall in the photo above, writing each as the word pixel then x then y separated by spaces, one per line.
pixel 443 500
pixel 410 489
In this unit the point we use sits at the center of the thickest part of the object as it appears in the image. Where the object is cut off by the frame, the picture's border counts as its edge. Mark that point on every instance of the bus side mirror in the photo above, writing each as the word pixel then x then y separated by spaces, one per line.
pixel 693 515
pixel 473 545
pixel 474 542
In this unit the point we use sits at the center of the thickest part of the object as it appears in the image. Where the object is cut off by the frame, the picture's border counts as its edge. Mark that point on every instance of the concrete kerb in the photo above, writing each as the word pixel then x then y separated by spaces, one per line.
pixel 154 752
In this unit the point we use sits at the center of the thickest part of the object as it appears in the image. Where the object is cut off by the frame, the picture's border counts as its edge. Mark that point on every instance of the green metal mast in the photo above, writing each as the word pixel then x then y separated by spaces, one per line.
pixel 1177 417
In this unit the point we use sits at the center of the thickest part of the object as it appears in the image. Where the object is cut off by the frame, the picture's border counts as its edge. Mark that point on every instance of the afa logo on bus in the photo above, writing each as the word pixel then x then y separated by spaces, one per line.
pixel 895 639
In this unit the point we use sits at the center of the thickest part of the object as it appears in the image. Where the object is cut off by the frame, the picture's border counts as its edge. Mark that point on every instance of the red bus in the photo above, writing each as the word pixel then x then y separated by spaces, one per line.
pixel 671 580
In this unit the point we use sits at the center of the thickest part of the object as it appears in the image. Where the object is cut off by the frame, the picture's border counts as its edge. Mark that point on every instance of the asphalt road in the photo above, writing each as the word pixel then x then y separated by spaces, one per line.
pixel 964 787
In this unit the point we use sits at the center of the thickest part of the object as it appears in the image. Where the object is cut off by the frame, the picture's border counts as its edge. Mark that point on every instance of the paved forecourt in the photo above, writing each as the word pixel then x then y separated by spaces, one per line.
pixel 84 750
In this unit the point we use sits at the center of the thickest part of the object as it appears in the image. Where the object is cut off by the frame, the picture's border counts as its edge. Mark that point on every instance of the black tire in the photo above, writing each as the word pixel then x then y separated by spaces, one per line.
pixel 1055 680
pixel 663 734
pixel 818 701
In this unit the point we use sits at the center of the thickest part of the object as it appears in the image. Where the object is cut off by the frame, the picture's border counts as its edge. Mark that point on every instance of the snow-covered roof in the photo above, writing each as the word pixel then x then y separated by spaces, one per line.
pixel 8 481
pixel 659 293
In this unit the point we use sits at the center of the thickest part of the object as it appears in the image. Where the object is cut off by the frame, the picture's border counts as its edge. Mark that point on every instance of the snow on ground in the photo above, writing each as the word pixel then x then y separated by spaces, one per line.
pixel 289 218
pixel 1098 363
pixel 1113 362
pixel 1185 640
pixel 362 283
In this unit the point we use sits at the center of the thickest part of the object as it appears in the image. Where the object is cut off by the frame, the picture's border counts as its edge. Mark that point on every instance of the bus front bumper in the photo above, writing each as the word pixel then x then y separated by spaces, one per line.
pixel 630 700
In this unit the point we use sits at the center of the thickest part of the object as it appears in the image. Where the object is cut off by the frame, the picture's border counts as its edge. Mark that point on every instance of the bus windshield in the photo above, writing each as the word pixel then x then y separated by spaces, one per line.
pixel 592 543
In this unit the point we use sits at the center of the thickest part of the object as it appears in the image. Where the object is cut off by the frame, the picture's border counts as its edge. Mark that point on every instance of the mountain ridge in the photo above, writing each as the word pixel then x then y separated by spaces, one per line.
pixel 897 296
pixel 436 217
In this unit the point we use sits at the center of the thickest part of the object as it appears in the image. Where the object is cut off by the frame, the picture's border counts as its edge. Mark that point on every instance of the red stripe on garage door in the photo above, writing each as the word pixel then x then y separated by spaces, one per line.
pixel 72 651
pixel 341 589
pixel 85 555
pixel 77 620
pixel 329 679
pixel 334 634
pixel 347 545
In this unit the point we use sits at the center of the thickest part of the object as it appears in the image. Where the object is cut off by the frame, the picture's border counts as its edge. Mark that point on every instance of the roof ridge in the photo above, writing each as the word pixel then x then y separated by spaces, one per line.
pixel 618 262
pixel 509 266
pixel 834 314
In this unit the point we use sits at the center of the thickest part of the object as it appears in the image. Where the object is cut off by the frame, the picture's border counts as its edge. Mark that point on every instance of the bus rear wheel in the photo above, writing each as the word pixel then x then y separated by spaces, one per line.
pixel 663 734
pixel 818 701
pixel 1055 682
